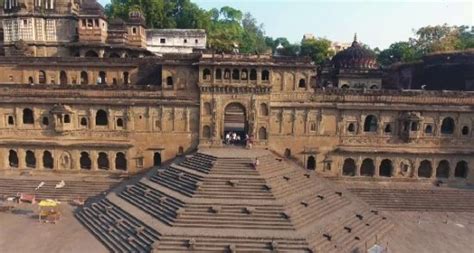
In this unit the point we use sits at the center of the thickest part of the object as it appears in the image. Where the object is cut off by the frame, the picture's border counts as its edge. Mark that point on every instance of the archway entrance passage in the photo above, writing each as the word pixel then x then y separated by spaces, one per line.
pixel 311 163
pixel 157 159
pixel 235 121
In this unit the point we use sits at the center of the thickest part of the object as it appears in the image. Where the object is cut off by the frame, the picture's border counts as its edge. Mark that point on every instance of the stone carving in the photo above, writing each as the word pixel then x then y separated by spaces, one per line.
pixel 65 161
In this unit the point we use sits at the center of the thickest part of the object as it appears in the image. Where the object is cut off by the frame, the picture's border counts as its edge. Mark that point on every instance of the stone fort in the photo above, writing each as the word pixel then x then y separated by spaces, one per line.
pixel 82 93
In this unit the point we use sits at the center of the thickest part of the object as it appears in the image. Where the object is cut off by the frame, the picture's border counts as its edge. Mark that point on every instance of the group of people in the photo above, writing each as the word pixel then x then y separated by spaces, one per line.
pixel 233 138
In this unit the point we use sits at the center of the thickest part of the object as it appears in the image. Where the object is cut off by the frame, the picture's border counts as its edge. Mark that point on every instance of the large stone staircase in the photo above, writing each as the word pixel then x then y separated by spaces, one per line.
pixel 216 201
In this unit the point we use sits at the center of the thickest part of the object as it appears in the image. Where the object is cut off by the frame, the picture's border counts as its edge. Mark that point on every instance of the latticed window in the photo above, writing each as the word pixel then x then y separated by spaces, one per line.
pixel 50 30
pixel 39 24
pixel 26 29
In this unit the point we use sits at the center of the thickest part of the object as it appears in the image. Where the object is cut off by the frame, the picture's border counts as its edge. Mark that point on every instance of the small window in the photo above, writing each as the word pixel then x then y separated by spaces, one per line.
pixel 67 118
pixel 265 75
pixel 162 41
pixel 302 83
pixel 312 127
pixel 169 81
pixel 428 129
pixel 134 30
pixel 83 122
pixel 119 122
pixel 196 41
pixel 218 74
pixel 83 23
pixel 465 130
pixel 351 128
pixel 388 129
pixel 11 121
pixel 447 126
pixel 45 121
pixel 414 126
pixel 185 41
pixel 96 21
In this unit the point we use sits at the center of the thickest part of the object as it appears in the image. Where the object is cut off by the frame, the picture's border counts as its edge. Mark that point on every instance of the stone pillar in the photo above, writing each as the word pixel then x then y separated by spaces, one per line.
pixel 94 155
pixel 187 113
pixel 416 166
pixel 21 158
pixel 452 167
pixel 377 162
pixel 358 163
pixel 110 118
pixel 434 164
pixel 92 113
pixel 39 159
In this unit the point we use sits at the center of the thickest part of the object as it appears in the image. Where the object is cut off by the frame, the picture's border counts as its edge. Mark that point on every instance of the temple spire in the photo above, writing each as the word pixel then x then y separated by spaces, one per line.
pixel 355 37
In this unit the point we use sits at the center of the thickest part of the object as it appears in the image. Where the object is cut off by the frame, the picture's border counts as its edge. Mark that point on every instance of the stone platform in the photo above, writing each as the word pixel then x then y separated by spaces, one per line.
pixel 216 201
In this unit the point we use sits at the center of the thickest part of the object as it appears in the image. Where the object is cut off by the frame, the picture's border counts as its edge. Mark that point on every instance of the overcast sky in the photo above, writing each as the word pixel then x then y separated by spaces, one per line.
pixel 377 23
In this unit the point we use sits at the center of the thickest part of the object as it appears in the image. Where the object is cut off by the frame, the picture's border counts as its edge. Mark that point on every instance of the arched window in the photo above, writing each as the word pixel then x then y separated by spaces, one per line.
pixel 102 78
pixel 302 83
pixel 235 74
pixel 442 171
pixel 370 123
pixel 265 75
pixel 67 118
pixel 218 74
pixel 253 74
pixel 349 167
pixel 28 116
pixel 62 77
pixel 461 169
pixel 263 109
pixel 114 55
pixel 447 126
pixel 48 161
pixel 84 78
pixel 30 80
pixel 262 133
pixel 386 168
pixel 345 87
pixel 83 122
pixel 30 159
pixel 227 74
pixel 119 122
pixel 85 161
pixel 207 108
pixel 311 163
pixel 91 53
pixel 169 81
pixel 157 159
pixel 206 132
pixel 101 118
pixel 126 78
pixel 120 161
pixel 367 168
pixel 351 128
pixel 425 169
pixel 42 77
pixel 388 128
pixel 103 161
pixel 13 159
pixel 465 130
pixel 244 75
pixel 114 81
pixel 428 129
pixel 206 74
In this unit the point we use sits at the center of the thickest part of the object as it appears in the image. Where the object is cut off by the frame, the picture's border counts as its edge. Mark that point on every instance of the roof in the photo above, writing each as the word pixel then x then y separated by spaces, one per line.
pixel 356 56
pixel 176 32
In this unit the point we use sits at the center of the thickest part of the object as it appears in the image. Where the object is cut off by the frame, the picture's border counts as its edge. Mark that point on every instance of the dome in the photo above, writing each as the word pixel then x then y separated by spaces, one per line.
pixel 356 56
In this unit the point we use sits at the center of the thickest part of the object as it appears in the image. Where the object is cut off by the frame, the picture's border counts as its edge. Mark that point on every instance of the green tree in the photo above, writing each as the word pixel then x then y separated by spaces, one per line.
pixel 398 52
pixel 288 49
pixel 318 49
pixel 253 37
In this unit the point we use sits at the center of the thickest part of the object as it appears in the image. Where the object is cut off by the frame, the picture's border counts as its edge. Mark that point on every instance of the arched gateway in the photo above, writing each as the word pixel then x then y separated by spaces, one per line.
pixel 235 119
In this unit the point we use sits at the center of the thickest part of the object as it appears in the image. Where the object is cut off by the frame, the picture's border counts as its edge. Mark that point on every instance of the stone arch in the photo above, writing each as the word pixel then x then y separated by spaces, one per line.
pixel 428 129
pixel 13 158
pixel 425 169
pixel 367 168
pixel 262 133
pixel 370 123
pixel 31 80
pixel 62 77
pixel 386 168
pixel 447 126
pixel 227 74
pixel 84 77
pixel 349 167
pixel 302 83
pixel 265 75
pixel 103 161
pixel 206 132
pixel 120 161
pixel 311 163
pixel 235 119
pixel 442 171
pixel 102 77
pixel 219 74
pixel 91 53
pixel 28 117
pixel 101 118
pixel 85 161
pixel 244 74
pixel 48 161
pixel 30 159
pixel 206 74
pixel 42 77
pixel 235 74
pixel 461 169
pixel 253 74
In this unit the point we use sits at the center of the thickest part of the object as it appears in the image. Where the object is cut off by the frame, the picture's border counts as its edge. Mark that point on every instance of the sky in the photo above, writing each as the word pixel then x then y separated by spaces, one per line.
pixel 378 23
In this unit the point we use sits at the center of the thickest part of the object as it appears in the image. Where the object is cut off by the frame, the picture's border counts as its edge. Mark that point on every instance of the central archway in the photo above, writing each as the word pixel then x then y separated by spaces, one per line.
pixel 235 120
